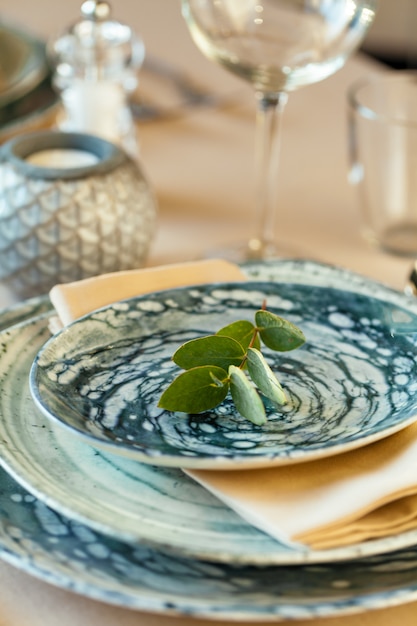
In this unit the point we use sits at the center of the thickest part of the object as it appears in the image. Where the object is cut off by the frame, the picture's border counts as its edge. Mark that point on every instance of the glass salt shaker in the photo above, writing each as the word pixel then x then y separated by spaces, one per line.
pixel 96 63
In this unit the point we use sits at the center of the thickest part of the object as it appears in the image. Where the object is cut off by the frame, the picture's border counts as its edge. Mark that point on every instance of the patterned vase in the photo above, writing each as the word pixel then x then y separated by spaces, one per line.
pixel 61 223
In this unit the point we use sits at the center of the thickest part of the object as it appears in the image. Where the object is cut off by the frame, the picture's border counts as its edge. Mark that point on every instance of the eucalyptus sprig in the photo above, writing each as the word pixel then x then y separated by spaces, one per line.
pixel 231 360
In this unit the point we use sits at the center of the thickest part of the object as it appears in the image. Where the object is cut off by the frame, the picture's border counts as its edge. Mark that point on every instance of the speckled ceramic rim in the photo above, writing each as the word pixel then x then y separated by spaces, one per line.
pixel 17 149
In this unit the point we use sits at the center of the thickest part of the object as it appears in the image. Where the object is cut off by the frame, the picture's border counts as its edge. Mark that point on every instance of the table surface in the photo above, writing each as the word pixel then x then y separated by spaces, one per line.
pixel 201 167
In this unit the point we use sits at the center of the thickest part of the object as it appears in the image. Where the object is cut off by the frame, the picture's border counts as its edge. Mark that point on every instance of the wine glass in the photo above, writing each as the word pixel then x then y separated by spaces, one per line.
pixel 278 46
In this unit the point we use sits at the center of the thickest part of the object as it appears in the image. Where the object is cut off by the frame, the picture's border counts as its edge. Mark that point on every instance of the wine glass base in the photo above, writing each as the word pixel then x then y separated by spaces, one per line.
pixel 252 250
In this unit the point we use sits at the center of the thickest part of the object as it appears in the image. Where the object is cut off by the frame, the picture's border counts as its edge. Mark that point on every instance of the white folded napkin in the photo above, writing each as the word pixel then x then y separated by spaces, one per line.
pixel 362 494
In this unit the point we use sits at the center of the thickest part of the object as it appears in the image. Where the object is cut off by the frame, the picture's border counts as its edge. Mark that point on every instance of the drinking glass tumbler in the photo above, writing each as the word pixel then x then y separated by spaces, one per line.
pixel 382 123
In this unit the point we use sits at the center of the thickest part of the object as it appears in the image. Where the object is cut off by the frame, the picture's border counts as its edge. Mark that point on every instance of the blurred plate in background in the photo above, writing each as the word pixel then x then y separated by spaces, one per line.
pixel 27 99
pixel 23 64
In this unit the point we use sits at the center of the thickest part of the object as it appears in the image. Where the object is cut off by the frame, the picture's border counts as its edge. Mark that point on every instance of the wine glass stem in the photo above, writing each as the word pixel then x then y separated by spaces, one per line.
pixel 270 108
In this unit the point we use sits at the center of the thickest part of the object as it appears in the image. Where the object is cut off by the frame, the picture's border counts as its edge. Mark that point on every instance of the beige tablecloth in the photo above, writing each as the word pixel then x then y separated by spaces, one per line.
pixel 201 167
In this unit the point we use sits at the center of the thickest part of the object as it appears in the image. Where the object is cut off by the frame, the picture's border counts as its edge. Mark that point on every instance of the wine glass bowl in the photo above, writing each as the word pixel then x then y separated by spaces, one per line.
pixel 277 46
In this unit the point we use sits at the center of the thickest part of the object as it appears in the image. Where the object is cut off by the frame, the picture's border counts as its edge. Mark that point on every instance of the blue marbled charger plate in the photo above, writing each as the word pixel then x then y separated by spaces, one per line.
pixel 353 382
pixel 125 499
pixel 65 553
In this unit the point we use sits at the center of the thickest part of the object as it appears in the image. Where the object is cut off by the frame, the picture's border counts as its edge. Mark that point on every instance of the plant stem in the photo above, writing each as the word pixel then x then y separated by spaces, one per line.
pixel 250 345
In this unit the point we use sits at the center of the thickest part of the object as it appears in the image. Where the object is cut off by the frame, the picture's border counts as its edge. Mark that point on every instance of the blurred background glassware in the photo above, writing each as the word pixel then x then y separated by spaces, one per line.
pixel 71 206
pixel 96 63
pixel 382 111
pixel 278 46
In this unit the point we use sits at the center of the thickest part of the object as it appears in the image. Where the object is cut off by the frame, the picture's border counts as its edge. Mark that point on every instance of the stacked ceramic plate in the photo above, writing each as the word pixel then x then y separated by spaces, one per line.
pixel 93 498
pixel 26 96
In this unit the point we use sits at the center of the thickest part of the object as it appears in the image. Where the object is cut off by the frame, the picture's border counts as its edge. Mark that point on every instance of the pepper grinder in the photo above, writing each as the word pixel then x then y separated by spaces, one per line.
pixel 96 63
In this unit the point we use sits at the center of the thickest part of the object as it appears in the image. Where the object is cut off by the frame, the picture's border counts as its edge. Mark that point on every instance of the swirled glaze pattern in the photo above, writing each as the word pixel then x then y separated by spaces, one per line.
pixel 123 498
pixel 68 554
pixel 65 553
pixel 354 381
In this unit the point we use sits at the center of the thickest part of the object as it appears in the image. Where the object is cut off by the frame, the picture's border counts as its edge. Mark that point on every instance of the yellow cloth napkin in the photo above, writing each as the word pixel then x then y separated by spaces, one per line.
pixel 362 494
pixel 73 300
pixel 366 493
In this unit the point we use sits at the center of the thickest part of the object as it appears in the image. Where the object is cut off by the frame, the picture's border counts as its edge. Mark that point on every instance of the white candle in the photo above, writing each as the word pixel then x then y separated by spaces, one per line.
pixel 62 158
pixel 98 108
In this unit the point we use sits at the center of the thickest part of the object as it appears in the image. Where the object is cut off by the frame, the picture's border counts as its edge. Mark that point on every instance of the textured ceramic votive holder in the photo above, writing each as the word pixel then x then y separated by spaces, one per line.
pixel 71 206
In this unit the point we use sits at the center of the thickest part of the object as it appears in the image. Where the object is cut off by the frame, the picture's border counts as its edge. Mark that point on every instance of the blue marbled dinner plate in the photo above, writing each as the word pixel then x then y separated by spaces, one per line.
pixel 70 555
pixel 125 499
pixel 353 382
pixel 65 553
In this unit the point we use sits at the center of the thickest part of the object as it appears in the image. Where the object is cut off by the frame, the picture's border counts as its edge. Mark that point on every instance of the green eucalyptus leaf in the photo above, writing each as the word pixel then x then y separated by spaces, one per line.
pixel 245 397
pixel 242 331
pixel 196 390
pixel 264 378
pixel 278 333
pixel 212 350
